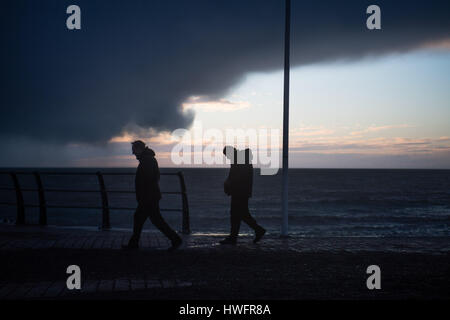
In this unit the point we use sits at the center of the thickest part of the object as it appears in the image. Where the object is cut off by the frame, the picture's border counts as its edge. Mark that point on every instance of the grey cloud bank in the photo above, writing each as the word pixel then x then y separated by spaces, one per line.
pixel 133 63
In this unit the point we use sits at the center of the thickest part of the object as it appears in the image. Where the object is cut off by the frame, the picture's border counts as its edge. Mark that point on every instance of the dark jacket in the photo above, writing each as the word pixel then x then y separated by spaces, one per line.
pixel 147 178
pixel 240 178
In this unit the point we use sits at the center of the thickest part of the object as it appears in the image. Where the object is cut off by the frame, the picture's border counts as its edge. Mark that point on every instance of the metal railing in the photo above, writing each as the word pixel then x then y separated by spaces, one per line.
pixel 43 206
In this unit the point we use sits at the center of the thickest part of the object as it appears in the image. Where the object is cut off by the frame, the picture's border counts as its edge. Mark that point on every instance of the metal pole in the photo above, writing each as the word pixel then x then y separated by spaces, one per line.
pixel 284 225
pixel 19 200
pixel 42 204
pixel 105 212
pixel 184 201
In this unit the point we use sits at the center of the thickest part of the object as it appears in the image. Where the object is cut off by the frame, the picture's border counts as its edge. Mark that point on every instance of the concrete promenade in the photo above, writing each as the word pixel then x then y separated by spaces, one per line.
pixel 34 260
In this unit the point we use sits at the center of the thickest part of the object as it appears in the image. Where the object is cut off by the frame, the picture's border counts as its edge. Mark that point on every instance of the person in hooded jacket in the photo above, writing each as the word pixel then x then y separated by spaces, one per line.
pixel 148 195
pixel 239 185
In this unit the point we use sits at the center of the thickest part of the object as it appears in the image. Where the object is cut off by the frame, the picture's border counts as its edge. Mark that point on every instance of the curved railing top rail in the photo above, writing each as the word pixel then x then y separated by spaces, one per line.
pixel 93 172
pixel 102 190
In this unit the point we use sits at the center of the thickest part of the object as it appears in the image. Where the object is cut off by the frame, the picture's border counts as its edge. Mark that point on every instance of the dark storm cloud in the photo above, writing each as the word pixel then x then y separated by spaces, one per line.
pixel 135 62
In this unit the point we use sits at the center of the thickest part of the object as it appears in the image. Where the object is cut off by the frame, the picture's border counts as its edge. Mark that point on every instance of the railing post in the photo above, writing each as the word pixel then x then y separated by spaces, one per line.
pixel 19 200
pixel 105 214
pixel 186 229
pixel 42 205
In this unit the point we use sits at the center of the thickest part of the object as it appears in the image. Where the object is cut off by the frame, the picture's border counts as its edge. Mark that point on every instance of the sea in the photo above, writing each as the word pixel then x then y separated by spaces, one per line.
pixel 322 202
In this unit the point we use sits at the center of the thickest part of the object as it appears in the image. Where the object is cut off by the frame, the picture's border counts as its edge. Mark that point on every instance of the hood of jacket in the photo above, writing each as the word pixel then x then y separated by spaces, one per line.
pixel 147 153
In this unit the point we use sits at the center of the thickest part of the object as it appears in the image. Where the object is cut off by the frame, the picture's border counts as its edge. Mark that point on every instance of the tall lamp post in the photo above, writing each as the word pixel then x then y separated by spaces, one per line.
pixel 284 224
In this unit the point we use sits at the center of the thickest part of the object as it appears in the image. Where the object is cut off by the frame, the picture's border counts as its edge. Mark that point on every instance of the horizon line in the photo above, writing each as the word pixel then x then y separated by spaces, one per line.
pixel 225 167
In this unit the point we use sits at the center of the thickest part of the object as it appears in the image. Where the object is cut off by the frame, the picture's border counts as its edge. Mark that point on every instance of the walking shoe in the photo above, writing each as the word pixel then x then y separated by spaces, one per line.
pixel 175 244
pixel 228 240
pixel 259 234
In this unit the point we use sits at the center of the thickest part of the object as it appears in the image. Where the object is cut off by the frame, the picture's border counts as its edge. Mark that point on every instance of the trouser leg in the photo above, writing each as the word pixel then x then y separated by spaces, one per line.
pixel 161 224
pixel 240 212
pixel 248 219
pixel 238 207
pixel 138 222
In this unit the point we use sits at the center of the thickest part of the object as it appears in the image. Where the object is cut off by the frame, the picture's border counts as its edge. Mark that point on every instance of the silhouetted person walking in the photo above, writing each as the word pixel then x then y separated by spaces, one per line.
pixel 148 196
pixel 239 186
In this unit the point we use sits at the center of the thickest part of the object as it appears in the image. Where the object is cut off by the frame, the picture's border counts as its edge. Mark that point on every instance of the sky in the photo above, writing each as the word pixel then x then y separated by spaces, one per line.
pixel 141 69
